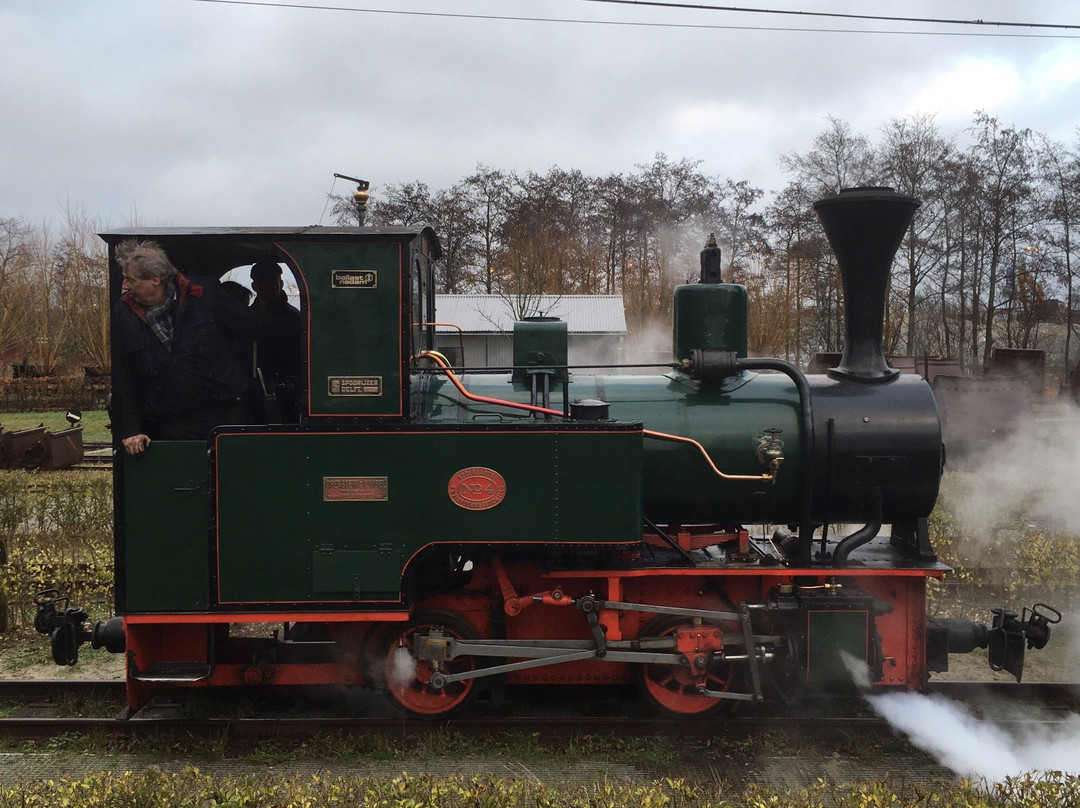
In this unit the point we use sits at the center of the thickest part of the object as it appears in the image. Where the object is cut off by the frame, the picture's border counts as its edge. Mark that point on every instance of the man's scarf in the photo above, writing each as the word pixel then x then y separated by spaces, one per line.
pixel 160 317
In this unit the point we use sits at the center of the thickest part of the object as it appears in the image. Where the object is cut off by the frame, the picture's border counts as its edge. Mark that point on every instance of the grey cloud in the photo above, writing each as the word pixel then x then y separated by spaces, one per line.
pixel 207 114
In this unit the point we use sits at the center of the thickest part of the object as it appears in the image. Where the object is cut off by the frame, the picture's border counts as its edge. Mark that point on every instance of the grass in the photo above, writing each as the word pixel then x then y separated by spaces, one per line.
pixel 93 423
pixel 23 649
pixel 344 748
pixel 335 749
pixel 149 786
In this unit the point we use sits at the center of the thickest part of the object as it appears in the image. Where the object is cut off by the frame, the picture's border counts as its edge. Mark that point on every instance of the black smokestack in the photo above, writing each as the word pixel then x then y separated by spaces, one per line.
pixel 865 227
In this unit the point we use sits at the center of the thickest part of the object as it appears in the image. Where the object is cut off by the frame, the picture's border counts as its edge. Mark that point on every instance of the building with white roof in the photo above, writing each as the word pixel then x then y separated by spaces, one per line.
pixel 477 330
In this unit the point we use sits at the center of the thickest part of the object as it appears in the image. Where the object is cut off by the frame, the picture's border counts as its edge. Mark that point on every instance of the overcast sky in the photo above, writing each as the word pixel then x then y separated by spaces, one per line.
pixel 195 112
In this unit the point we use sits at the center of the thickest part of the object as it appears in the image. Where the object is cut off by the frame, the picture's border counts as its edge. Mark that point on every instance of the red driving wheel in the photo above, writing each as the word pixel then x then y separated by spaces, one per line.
pixel 408 680
pixel 673 689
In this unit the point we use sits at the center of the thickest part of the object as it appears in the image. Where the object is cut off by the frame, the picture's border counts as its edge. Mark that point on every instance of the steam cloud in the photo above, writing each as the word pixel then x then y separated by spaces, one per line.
pixel 973 747
pixel 402 668
pixel 978 748
pixel 646 345
pixel 1033 471
pixel 1031 474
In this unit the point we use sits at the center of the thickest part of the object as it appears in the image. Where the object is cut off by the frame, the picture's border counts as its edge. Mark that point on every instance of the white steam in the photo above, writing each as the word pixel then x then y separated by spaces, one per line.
pixel 647 345
pixel 978 748
pixel 402 668
pixel 857 669
pixel 974 747
pixel 1034 471
pixel 1023 486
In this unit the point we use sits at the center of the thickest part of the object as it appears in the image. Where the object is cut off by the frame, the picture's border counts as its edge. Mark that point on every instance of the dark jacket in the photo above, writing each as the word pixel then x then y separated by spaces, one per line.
pixel 180 391
pixel 277 340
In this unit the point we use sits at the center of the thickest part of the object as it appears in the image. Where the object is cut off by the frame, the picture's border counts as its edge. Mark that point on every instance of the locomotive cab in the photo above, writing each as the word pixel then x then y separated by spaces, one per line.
pixel 370 296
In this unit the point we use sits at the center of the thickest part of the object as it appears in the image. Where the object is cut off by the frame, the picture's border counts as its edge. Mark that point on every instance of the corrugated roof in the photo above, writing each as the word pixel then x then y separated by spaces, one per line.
pixel 494 314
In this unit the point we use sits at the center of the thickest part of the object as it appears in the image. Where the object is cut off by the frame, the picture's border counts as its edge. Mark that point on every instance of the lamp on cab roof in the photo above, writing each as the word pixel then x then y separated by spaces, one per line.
pixel 360 196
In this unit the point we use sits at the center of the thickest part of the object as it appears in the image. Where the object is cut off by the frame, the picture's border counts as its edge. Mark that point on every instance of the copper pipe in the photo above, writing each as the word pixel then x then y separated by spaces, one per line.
pixel 441 361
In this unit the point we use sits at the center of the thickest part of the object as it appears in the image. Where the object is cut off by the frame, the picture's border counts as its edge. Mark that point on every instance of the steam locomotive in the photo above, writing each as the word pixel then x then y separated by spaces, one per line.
pixel 429 531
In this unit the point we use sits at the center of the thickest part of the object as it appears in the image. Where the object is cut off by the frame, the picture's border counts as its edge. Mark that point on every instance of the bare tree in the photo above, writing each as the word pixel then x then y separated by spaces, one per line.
pixel 80 268
pixel 401 204
pixel 618 215
pixel 1059 169
pixel 15 256
pixel 489 191
pixel 1003 159
pixel 546 237
pixel 797 250
pixel 838 159
pixel 680 206
pixel 48 318
pixel 743 229
pixel 451 217
pixel 912 159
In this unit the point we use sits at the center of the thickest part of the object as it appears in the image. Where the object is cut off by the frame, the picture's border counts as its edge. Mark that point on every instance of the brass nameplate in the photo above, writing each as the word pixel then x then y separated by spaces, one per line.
pixel 354 279
pixel 354 385
pixel 477 488
pixel 354 489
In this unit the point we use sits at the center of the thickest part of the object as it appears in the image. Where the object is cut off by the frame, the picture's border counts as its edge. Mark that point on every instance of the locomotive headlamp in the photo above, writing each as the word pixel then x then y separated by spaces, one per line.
pixel 360 196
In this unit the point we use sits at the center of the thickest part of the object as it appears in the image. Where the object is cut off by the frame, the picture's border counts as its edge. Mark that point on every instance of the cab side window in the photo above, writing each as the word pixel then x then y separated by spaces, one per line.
pixel 272 354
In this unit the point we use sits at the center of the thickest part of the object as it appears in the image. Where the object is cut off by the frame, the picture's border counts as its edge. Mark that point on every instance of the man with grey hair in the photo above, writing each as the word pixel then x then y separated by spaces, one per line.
pixel 177 373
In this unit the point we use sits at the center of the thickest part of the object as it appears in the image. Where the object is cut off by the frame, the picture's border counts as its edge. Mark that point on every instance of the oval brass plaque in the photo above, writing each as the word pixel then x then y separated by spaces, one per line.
pixel 477 488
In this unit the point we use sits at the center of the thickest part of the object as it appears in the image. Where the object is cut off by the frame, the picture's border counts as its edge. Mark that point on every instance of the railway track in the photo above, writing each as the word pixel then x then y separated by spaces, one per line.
pixel 37 709
pixel 96 455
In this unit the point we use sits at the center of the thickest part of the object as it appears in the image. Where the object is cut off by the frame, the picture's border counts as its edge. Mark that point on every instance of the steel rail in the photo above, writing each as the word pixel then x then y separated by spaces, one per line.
pixel 1052 702
pixel 1049 693
pixel 245 730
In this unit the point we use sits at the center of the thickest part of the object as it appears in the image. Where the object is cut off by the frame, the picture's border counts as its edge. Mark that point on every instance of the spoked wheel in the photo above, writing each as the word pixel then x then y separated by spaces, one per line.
pixel 408 680
pixel 672 690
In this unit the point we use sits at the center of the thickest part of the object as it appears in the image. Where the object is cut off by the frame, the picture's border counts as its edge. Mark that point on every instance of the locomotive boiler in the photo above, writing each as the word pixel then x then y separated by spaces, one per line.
pixel 726 530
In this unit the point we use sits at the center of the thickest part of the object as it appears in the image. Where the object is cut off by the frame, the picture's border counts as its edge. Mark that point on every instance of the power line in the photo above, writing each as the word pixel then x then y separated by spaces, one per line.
pixel 641 24
pixel 833 14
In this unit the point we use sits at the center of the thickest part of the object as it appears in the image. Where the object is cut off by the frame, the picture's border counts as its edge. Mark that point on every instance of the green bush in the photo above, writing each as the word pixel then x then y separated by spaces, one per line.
pixel 53 393
pixel 56 532
pixel 1016 562
pixel 153 788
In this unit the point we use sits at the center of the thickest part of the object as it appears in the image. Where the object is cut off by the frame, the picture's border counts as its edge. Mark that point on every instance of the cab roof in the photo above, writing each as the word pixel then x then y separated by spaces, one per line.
pixel 216 250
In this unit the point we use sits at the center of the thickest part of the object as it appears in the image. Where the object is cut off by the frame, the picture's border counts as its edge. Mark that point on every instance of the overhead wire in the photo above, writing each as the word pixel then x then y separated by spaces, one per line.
pixel 329 196
pixel 830 14
pixel 691 26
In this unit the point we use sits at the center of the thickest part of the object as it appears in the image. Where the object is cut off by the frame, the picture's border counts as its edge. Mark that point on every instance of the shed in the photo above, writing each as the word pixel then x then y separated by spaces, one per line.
pixel 483 326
